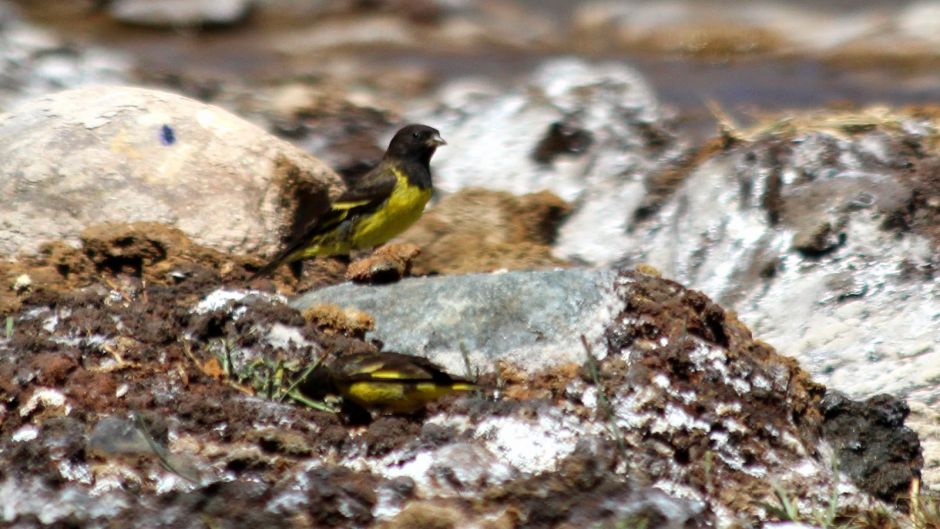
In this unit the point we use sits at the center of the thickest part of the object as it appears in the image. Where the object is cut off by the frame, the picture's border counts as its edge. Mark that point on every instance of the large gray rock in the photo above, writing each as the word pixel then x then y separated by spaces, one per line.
pixel 784 227
pixel 533 319
pixel 121 154
pixel 819 242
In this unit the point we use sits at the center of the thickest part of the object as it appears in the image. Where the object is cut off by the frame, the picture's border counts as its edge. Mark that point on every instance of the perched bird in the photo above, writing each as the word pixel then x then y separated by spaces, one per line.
pixel 383 203
pixel 385 382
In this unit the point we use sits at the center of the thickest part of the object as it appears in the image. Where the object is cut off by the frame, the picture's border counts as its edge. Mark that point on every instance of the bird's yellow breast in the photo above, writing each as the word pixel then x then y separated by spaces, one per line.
pixel 402 208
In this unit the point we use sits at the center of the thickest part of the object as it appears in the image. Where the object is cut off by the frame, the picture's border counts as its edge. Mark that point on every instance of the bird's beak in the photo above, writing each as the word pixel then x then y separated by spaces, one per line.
pixel 436 140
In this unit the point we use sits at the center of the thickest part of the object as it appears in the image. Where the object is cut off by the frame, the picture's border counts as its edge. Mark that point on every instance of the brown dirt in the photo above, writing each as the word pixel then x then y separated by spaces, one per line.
pixel 663 310
pixel 123 303
pixel 126 257
pixel 110 325
pixel 334 319
pixel 134 285
pixel 477 230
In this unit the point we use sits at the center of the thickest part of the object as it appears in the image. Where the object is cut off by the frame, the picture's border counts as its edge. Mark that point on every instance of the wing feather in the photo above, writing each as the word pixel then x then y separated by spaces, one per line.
pixel 369 193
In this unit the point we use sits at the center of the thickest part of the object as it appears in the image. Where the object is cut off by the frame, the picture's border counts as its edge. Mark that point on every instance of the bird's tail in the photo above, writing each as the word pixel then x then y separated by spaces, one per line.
pixel 285 256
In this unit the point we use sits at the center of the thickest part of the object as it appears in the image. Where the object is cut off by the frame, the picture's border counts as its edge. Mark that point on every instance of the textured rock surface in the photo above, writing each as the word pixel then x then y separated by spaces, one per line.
pixel 871 442
pixel 591 134
pixel 831 217
pixel 534 319
pixel 826 222
pixel 101 154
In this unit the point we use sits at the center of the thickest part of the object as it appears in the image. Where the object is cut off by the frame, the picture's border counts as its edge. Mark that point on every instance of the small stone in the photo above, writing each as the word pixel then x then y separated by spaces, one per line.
pixel 281 441
pixel 334 319
pixel 118 436
pixel 180 13
pixel 818 240
pixel 388 264
pixel 22 282
pixel 562 138
pixel 874 447
pixel 648 270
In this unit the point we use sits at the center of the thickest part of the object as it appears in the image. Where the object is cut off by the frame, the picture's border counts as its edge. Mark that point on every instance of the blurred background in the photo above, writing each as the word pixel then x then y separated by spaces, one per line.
pixel 747 56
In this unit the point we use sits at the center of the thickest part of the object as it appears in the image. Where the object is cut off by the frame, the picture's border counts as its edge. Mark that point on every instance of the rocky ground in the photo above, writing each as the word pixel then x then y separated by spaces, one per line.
pixel 670 328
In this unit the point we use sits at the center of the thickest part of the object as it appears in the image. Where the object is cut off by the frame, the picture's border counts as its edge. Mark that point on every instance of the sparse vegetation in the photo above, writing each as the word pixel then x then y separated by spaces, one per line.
pixel 923 512
pixel 603 402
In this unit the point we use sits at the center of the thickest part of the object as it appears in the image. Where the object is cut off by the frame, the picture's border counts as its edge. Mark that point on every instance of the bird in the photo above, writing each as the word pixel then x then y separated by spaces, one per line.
pixel 386 382
pixel 382 204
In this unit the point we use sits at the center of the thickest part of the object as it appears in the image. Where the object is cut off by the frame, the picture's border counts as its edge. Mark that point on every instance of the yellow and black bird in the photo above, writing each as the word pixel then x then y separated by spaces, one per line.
pixel 384 382
pixel 382 204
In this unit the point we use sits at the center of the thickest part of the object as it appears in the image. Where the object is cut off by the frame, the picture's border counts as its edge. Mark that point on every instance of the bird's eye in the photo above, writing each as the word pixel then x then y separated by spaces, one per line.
pixel 415 134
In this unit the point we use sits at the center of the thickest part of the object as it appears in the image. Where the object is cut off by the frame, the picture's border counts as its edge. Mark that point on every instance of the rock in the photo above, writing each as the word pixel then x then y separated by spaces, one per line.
pixel 108 154
pixel 829 216
pixel 872 444
pixel 591 134
pixel 679 385
pixel 115 436
pixel 477 230
pixel 446 27
pixel 180 13
pixel 817 240
pixel 533 319
pixel 826 216
pixel 704 29
pixel 387 264
pixel 35 62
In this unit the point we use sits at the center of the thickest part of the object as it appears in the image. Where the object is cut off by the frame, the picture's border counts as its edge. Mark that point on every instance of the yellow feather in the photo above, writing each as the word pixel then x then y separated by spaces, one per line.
pixel 390 374
pixel 404 397
pixel 402 208
pixel 369 368
pixel 348 205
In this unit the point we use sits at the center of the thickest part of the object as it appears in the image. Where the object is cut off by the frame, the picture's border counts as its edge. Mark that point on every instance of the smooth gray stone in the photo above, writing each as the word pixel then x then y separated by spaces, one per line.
pixel 532 318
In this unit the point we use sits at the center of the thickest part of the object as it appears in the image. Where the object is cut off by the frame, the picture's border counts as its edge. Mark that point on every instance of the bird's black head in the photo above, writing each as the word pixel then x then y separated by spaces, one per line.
pixel 415 143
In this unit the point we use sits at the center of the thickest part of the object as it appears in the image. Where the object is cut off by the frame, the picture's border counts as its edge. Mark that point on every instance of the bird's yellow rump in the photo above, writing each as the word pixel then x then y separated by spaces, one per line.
pixel 381 204
pixel 387 382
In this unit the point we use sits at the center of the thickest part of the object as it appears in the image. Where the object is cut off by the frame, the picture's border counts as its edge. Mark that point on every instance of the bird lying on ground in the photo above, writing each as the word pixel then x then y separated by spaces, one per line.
pixel 384 382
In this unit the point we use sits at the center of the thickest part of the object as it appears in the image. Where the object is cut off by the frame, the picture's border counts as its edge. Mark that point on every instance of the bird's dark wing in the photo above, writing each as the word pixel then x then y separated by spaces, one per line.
pixel 370 192
pixel 377 183
pixel 391 367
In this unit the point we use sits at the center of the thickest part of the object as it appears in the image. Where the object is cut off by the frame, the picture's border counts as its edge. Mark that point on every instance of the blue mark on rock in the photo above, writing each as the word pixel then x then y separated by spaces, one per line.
pixel 167 136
